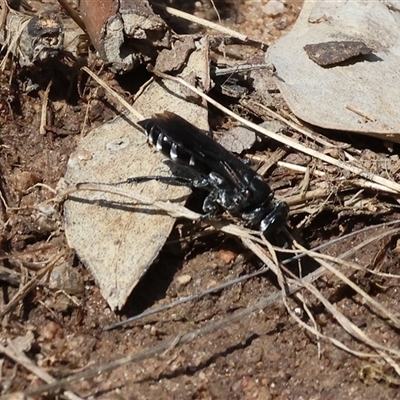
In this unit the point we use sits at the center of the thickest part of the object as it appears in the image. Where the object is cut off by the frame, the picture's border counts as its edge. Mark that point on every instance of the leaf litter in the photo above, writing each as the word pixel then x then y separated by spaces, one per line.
pixel 311 291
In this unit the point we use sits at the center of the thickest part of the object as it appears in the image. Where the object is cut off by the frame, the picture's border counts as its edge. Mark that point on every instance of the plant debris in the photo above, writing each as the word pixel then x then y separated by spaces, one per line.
pixel 158 300
pixel 125 33
pixel 328 54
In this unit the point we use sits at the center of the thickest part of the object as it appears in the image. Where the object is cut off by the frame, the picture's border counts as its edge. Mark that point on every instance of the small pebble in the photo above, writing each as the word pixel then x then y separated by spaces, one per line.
pixel 65 277
pixel 274 8
pixel 226 256
pixel 183 280
pixel 153 331
pixel 50 330
pixel 23 180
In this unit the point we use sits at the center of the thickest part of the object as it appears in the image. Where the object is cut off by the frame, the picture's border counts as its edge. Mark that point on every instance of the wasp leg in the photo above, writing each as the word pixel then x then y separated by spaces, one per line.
pixel 211 205
pixel 275 221
pixel 201 183
pixel 217 181
pixel 255 216
pixel 223 193
pixel 168 180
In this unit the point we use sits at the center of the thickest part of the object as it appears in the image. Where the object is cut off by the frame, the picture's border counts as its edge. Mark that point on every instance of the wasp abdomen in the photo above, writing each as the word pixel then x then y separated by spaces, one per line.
pixel 165 145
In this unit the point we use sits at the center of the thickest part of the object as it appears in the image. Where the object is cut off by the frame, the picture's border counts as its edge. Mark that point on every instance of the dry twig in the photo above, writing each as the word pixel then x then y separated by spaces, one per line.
pixel 201 21
pixel 43 115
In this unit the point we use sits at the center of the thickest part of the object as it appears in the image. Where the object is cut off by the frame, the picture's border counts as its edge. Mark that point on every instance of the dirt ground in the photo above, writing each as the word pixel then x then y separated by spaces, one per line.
pixel 266 355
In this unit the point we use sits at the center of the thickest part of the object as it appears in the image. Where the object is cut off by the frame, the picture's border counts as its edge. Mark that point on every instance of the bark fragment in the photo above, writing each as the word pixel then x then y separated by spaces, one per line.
pixel 125 33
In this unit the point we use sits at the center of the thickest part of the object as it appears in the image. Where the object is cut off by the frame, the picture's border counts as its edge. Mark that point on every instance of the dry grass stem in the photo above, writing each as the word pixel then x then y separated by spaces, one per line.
pixel 216 12
pixel 114 94
pixel 186 299
pixel 269 162
pixel 201 21
pixel 301 199
pixel 43 115
pixel 310 135
pixel 359 112
pixel 300 168
pixel 357 267
pixel 175 210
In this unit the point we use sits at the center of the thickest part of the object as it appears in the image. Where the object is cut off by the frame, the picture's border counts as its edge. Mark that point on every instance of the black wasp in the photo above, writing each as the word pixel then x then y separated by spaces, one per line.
pixel 232 185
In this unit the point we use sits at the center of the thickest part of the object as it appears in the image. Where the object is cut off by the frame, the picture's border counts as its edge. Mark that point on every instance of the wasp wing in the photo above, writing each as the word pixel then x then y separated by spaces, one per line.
pixel 202 148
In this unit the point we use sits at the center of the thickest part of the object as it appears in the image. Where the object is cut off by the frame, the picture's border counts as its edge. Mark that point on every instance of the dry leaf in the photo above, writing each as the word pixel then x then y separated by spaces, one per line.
pixel 118 242
pixel 356 97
